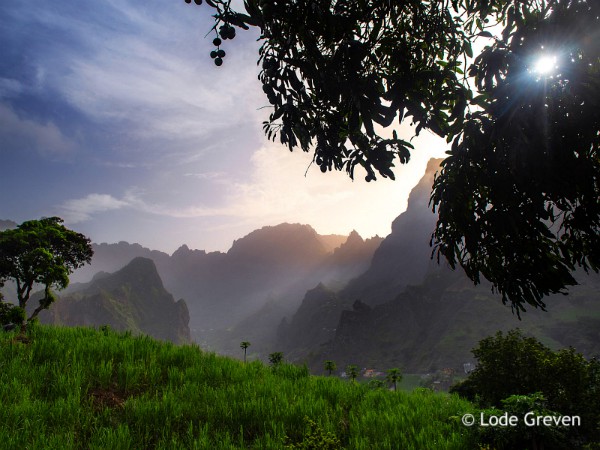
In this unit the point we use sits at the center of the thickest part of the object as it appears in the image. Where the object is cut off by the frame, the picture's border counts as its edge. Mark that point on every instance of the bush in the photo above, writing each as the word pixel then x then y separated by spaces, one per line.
pixel 522 435
pixel 514 364
pixel 316 438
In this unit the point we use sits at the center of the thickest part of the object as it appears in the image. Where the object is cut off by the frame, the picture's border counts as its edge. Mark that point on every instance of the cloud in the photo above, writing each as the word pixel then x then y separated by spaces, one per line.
pixel 134 84
pixel 22 134
pixel 223 207
pixel 285 186
pixel 279 191
pixel 82 209
pixel 10 87
pixel 90 206
pixel 147 72
pixel 213 176
pixel 143 73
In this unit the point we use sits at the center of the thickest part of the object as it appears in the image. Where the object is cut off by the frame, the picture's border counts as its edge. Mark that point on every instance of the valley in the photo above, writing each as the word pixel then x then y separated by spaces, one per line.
pixel 377 302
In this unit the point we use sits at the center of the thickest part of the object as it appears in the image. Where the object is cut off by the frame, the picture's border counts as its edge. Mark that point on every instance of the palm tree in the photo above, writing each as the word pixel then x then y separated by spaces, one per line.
pixel 275 358
pixel 245 345
pixel 330 366
pixel 352 372
pixel 393 376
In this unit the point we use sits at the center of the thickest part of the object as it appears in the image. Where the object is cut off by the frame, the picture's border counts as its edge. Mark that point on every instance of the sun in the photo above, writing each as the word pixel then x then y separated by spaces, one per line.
pixel 545 65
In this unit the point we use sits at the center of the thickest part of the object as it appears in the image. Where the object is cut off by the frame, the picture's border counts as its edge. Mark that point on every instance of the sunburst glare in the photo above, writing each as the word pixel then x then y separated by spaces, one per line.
pixel 545 65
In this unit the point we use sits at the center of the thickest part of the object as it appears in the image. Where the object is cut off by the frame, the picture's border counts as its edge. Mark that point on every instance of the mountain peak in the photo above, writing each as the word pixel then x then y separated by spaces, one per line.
pixel 356 249
pixel 140 272
pixel 132 298
pixel 404 256
pixel 354 237
pixel 419 195
pixel 141 263
pixel 293 243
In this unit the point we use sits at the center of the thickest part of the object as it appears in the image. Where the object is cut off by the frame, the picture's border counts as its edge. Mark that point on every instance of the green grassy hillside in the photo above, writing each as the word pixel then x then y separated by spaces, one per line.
pixel 79 388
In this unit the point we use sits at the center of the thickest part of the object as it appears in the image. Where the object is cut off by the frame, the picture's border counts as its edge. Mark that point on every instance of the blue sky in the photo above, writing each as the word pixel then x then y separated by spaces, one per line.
pixel 113 116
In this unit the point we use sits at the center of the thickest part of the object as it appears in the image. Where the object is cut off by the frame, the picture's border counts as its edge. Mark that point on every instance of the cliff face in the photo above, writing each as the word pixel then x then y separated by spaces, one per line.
pixel 435 324
pixel 313 323
pixel 407 311
pixel 132 298
pixel 403 257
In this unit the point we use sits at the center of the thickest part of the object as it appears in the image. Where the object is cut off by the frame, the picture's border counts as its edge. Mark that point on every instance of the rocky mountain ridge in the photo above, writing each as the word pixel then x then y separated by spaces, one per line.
pixel 407 311
pixel 272 265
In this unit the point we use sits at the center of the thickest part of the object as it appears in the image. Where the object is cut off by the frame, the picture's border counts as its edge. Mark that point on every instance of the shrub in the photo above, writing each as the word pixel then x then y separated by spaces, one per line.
pixel 514 364
pixel 316 438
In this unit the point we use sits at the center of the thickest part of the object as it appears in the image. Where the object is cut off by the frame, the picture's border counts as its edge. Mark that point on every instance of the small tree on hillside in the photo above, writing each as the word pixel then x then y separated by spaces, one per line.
pixel 330 366
pixel 244 345
pixel 393 376
pixel 276 358
pixel 41 252
pixel 352 372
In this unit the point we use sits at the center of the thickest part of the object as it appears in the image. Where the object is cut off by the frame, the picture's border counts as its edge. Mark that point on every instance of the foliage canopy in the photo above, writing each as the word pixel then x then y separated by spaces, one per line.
pixel 518 195
pixel 41 252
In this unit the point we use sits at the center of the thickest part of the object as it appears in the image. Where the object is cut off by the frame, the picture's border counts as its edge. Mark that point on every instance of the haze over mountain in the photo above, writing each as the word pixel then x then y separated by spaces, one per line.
pixel 403 257
pixel 7 225
pixel 272 265
pixel 407 311
pixel 263 328
pixel 373 302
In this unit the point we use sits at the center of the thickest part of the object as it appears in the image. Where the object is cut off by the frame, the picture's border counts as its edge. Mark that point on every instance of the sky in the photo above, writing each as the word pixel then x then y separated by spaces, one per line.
pixel 114 117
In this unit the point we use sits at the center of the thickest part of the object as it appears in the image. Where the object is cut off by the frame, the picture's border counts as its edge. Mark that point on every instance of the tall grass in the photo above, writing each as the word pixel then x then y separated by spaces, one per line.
pixel 79 388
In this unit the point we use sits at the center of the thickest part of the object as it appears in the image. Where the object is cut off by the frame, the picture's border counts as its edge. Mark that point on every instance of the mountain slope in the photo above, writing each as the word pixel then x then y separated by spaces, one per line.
pixel 436 324
pixel 132 298
pixel 400 259
pixel 81 388
pixel 407 311
pixel 7 225
pixel 274 264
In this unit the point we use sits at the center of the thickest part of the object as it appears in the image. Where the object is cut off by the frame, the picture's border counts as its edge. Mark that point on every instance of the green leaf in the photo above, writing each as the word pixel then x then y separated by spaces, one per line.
pixel 468 49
